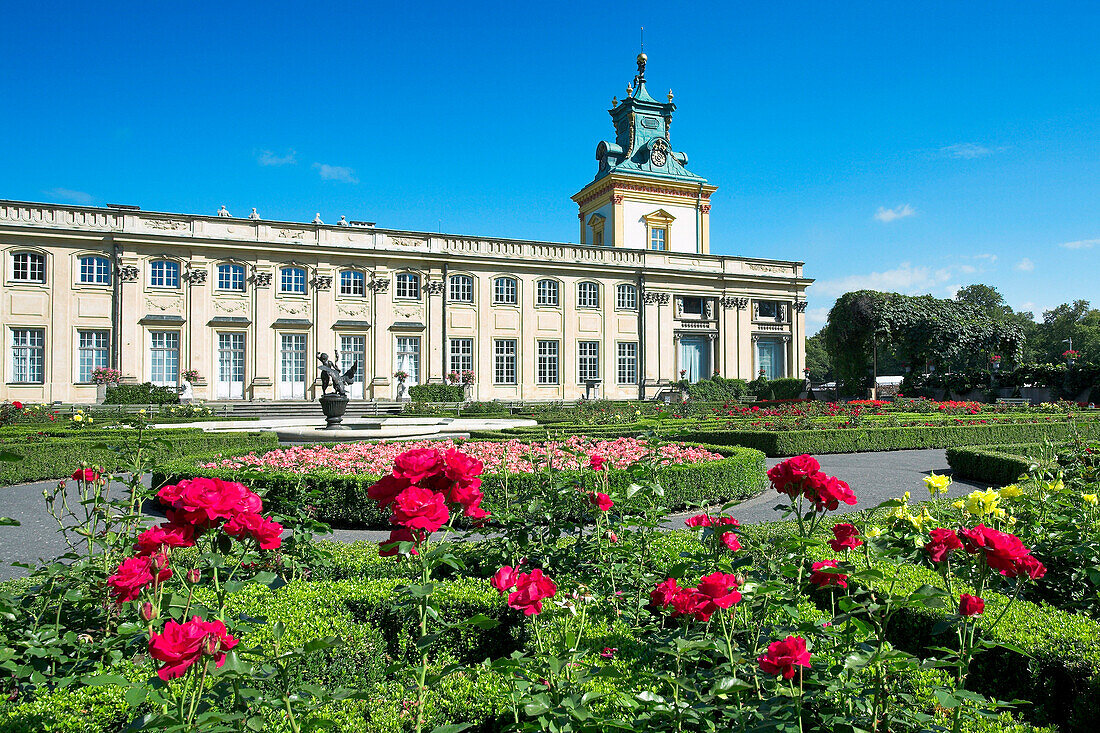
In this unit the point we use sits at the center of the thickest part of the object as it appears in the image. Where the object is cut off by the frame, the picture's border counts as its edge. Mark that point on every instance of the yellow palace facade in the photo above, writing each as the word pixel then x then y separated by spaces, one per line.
pixel 248 303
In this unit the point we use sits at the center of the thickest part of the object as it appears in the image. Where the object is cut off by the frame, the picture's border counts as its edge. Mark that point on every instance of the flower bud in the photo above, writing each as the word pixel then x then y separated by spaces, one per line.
pixel 147 611
pixel 194 575
pixel 211 645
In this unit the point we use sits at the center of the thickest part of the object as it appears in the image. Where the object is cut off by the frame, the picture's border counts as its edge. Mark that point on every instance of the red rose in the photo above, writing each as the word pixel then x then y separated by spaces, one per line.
pixel 729 539
pixel 690 602
pixel 385 490
pixel 267 533
pixel 663 594
pixel 802 466
pixel 135 573
pixel 468 496
pixel 181 645
pixel 699 520
pixel 460 467
pixel 603 501
pixel 1003 552
pixel 827 494
pixel 974 539
pixel 389 548
pixel 504 579
pixel 722 521
pixel 250 503
pixel 531 589
pixel 87 475
pixel 420 509
pixel 822 577
pixel 783 656
pixel 847 538
pixel 970 605
pixel 782 480
pixel 720 589
pixel 418 464
pixel 156 539
pixel 943 542
pixel 17 405
pixel 1029 566
pixel 596 461
pixel 204 501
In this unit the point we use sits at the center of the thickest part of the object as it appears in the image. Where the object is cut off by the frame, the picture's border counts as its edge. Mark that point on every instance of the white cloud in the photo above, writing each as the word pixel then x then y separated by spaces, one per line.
pixel 1025 265
pixel 902 279
pixel 991 257
pixel 968 151
pixel 266 157
pixel 898 212
pixel 336 173
pixel 70 196
pixel 1080 244
pixel 817 316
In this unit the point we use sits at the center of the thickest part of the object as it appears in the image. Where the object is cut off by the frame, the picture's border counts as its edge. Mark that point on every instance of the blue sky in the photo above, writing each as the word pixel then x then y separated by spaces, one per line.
pixel 909 146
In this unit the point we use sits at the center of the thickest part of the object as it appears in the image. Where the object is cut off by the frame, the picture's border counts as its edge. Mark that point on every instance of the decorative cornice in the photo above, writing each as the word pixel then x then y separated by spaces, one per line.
pixel 617 187
pixel 729 301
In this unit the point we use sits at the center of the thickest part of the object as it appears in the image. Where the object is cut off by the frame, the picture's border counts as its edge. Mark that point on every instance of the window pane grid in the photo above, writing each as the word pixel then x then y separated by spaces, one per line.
pixel 547 362
pixel 231 357
pixel 230 277
pixel 504 290
pixel 27 355
pixel 588 360
pixel 408 357
pixel 28 267
pixel 95 271
pixel 626 297
pixel 504 361
pixel 164 356
pixel 547 292
pixel 93 353
pixel 353 350
pixel 462 289
pixel 627 367
pixel 164 274
pixel 588 295
pixel 293 357
pixel 657 238
pixel 462 355
pixel 408 286
pixel 352 283
pixel 292 280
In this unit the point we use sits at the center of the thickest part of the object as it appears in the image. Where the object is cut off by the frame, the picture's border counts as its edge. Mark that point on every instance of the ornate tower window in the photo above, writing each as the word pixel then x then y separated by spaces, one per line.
pixel 658 225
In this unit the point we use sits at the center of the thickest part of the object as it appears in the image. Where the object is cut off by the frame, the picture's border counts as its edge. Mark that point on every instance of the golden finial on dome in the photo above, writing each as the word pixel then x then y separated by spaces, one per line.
pixel 629 90
pixel 670 96
pixel 614 102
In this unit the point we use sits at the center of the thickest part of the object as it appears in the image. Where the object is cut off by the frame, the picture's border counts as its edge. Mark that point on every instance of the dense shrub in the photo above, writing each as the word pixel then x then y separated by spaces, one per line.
pixel 341 499
pixel 718 389
pixel 140 394
pixel 992 464
pixel 777 389
pixel 437 393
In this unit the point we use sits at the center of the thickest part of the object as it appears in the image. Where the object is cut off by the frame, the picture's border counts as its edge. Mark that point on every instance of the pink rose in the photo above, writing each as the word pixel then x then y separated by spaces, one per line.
pixel 420 509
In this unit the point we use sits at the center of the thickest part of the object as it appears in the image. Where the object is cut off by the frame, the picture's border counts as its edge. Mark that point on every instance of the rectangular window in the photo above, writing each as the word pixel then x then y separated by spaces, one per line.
pixel 462 355
pixel 353 283
pixel 627 367
pixel 547 293
pixel 462 289
pixel 588 360
pixel 231 277
pixel 28 352
pixel 691 306
pixel 292 366
pixel 93 353
pixel 95 271
pixel 597 238
pixel 164 357
pixel 504 291
pixel 657 236
pixel 164 274
pixel 292 280
pixel 547 362
pixel 353 350
pixel 28 267
pixel 408 286
pixel 767 309
pixel 588 295
pixel 408 358
pixel 504 361
pixel 626 297
pixel 230 383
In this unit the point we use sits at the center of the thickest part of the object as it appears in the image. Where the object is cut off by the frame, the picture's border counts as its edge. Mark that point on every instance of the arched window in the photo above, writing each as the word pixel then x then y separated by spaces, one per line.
pixel 546 292
pixel 231 277
pixel 164 274
pixel 408 286
pixel 292 280
pixel 28 267
pixel 353 283
pixel 505 290
pixel 95 270
pixel 461 289
pixel 588 295
pixel 626 297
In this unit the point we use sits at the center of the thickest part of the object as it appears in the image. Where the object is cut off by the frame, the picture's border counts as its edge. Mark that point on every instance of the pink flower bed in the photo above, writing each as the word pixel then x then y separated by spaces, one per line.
pixel 376 459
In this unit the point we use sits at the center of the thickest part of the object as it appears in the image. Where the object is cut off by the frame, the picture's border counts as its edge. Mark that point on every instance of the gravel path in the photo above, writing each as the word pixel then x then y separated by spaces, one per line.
pixel 874 477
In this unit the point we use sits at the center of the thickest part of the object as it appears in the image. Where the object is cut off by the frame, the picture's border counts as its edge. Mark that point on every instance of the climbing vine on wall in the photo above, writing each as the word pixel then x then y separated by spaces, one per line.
pixel 917 329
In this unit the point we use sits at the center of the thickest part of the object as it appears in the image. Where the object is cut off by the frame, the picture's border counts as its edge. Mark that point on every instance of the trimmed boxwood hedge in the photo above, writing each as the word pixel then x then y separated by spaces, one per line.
pixel 437 393
pixel 54 457
pixel 991 463
pixel 341 499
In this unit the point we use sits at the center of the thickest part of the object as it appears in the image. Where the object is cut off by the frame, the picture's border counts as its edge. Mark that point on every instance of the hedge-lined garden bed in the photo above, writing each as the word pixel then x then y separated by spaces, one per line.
pixel 42 457
pixel 341 499
pixel 993 464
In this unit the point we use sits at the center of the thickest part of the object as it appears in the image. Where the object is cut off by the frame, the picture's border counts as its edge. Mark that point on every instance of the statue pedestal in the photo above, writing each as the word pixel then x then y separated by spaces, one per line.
pixel 334 406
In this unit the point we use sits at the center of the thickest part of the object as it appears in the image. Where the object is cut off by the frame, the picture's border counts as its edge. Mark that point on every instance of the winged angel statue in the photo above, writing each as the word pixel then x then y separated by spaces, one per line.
pixel 330 375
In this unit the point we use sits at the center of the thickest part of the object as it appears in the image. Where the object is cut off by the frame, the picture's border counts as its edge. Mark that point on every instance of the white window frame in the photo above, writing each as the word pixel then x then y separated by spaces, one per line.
pixel 460 289
pixel 353 284
pixel 588 363
pixel 97 351
pixel 626 297
pixel 27 347
pixel 166 351
pixel 93 270
pixel 626 362
pixel 547 367
pixel 23 272
pixel 505 361
pixel 548 293
pixel 460 352
pixel 588 294
pixel 168 274
pixel 231 283
pixel 505 290
pixel 408 286
pixel 661 240
pixel 290 283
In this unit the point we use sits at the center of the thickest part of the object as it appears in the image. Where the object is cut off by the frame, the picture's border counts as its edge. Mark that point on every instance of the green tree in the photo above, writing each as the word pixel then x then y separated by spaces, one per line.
pixel 817 358
pixel 1077 321
pixel 990 301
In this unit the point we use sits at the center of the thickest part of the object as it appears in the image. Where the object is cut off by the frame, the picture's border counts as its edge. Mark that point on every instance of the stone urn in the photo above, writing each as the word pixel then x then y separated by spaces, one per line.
pixel 334 406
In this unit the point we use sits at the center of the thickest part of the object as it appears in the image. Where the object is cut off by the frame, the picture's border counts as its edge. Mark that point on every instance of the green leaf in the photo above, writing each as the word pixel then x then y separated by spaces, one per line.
pixel 136 696
pixel 946 699
pixel 9 457
pixel 105 679
pixel 451 727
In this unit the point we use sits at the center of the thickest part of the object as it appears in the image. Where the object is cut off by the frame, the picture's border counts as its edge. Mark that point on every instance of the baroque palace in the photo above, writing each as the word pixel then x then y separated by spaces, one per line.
pixel 247 303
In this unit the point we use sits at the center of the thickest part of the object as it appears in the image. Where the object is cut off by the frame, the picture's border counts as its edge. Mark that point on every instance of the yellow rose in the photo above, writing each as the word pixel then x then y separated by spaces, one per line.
pixel 958 504
pixel 1011 521
pixel 1089 499
pixel 91 419
pixel 873 532
pixel 980 503
pixel 905 497
pixel 77 417
pixel 937 484
pixel 1012 491
pixel 1000 513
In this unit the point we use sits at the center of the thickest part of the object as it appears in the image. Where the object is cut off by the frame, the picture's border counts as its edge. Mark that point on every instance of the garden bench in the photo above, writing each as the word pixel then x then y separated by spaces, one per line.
pixel 1013 401
pixel 747 398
